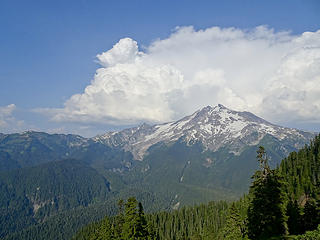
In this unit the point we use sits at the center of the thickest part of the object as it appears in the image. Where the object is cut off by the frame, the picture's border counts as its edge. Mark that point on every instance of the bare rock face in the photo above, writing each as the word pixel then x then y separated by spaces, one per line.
pixel 213 127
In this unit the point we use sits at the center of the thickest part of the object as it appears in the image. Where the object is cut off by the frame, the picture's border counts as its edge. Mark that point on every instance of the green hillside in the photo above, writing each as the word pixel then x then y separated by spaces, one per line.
pixel 31 195
pixel 282 204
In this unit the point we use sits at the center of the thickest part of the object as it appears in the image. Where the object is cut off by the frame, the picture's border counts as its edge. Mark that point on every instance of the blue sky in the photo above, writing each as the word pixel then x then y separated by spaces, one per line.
pixel 48 48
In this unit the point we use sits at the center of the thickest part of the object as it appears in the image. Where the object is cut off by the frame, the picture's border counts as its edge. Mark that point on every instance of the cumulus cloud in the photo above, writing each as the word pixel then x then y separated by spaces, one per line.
pixel 8 122
pixel 294 90
pixel 125 51
pixel 272 74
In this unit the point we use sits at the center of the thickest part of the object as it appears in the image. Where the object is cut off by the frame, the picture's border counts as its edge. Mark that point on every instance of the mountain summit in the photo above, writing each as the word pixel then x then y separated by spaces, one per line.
pixel 213 127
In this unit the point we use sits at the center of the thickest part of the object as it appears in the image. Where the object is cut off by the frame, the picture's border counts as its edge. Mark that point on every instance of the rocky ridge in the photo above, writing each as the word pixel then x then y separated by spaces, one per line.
pixel 213 127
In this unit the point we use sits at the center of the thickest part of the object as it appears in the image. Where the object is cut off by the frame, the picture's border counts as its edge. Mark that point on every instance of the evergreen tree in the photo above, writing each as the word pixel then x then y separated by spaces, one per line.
pixel 135 226
pixel 119 220
pixel 142 226
pixel 266 213
pixel 311 216
pixel 310 235
pixel 235 228
pixel 130 219
pixel 152 233
pixel 104 232
pixel 295 222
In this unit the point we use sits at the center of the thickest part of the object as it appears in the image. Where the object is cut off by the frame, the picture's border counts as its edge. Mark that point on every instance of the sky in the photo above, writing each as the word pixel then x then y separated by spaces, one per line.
pixel 88 67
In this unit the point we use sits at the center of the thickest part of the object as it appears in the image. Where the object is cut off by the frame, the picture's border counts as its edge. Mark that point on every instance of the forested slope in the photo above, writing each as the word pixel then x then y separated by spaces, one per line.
pixel 293 208
pixel 42 191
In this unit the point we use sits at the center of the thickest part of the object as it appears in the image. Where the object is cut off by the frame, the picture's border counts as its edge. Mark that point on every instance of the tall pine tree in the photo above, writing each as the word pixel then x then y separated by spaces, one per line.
pixel 142 225
pixel 267 211
pixel 235 228
pixel 119 220
pixel 135 225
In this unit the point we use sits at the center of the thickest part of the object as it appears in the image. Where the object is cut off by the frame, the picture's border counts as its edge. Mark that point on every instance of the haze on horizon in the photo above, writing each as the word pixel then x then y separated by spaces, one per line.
pixel 185 63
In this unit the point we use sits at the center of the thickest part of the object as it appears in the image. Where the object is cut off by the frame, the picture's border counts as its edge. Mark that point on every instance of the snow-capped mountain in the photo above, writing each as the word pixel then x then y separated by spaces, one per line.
pixel 213 127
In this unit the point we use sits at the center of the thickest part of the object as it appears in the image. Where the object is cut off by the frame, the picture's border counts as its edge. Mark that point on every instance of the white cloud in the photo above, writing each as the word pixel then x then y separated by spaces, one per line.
pixel 273 74
pixel 125 51
pixel 8 123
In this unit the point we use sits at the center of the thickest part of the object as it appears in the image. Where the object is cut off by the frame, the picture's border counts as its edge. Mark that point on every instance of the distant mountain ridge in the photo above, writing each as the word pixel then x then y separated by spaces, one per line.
pixel 30 148
pixel 213 127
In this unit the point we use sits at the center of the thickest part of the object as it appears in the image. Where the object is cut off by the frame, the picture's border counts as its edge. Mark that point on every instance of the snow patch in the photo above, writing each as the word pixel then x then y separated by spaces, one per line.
pixel 176 206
